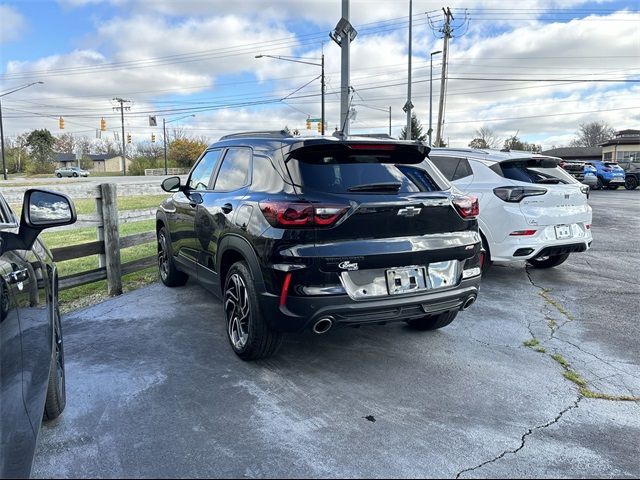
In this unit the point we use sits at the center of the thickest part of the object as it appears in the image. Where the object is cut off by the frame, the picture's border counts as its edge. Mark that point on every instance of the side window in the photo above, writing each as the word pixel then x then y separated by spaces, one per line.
pixel 6 216
pixel 201 174
pixel 234 171
pixel 265 178
pixel 453 168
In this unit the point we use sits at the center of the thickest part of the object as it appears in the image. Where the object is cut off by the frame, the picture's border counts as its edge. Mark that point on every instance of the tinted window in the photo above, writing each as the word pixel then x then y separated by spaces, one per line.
pixel 453 168
pixel 420 178
pixel 265 177
pixel 532 171
pixel 234 172
pixel 201 174
pixel 338 176
pixel 6 216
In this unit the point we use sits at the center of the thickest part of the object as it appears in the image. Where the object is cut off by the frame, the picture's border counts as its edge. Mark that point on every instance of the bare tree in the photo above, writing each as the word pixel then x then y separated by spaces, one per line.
pixel 106 146
pixel 485 138
pixel 65 143
pixel 593 133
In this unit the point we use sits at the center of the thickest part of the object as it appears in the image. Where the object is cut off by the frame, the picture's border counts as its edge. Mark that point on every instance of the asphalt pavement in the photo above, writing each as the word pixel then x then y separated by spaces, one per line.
pixel 154 390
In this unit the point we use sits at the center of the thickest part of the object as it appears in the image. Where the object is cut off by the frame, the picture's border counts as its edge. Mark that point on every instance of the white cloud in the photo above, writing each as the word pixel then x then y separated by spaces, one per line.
pixel 593 47
pixel 12 24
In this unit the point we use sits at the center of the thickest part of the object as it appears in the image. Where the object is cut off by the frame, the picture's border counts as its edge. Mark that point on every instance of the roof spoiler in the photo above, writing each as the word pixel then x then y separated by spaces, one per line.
pixel 259 133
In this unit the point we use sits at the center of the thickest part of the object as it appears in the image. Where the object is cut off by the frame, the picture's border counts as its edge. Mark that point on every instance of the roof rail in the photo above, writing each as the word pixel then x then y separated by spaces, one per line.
pixel 262 133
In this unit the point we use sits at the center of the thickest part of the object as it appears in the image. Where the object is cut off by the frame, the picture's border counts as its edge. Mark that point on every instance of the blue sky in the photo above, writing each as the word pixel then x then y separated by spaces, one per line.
pixel 571 40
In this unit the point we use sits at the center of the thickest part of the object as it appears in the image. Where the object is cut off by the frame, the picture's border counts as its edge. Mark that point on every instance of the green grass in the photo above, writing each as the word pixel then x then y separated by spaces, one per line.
pixel 574 377
pixel 560 359
pixel 75 236
pixel 534 342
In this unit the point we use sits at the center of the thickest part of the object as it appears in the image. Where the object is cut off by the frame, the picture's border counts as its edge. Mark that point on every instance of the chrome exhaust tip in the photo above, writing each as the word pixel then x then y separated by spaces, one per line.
pixel 322 326
pixel 468 302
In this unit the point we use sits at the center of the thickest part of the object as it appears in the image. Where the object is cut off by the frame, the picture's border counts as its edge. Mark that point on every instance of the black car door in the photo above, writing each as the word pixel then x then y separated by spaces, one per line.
pixel 183 238
pixel 33 298
pixel 17 436
pixel 215 215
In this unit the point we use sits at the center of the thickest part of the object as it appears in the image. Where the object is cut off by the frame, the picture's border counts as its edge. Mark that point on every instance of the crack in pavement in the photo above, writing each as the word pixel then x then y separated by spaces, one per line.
pixel 523 439
pixel 606 362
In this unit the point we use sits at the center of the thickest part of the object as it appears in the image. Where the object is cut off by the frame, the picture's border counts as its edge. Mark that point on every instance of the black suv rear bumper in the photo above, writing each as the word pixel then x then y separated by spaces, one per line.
pixel 301 313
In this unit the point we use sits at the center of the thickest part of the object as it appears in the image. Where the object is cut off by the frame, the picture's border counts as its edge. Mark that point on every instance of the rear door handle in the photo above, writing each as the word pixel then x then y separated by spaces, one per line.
pixel 18 276
pixel 227 207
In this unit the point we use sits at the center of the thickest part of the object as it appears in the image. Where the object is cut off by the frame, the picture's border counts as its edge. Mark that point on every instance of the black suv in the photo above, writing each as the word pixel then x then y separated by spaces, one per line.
pixel 308 233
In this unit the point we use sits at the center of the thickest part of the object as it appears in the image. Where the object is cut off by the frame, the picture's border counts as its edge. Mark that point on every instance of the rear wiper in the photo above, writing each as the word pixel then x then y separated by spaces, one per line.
pixel 376 187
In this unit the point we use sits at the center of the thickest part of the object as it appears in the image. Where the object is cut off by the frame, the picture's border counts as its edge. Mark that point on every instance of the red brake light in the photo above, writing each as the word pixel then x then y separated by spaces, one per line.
pixel 523 233
pixel 467 206
pixel 301 214
pixel 371 146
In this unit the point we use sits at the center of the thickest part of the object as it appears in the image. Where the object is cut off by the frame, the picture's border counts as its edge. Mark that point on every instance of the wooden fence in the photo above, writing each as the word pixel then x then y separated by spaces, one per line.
pixel 107 247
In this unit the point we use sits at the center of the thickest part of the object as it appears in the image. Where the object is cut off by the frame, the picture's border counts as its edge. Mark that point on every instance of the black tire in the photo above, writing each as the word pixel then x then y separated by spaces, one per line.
pixel 433 322
pixel 548 261
pixel 599 184
pixel 56 390
pixel 630 183
pixel 59 175
pixel 249 335
pixel 169 274
pixel 486 261
pixel 75 174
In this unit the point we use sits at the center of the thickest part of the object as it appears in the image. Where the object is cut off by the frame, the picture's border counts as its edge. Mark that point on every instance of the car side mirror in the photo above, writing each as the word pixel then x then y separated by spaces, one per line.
pixel 171 184
pixel 43 209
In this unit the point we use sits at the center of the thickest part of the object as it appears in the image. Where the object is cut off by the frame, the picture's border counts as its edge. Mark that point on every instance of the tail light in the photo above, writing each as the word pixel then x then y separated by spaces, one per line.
pixel 516 194
pixel 467 206
pixel 301 214
pixel 523 233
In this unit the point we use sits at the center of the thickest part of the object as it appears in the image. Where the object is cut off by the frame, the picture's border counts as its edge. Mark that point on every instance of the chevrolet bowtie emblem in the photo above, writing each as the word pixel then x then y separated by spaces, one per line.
pixel 409 211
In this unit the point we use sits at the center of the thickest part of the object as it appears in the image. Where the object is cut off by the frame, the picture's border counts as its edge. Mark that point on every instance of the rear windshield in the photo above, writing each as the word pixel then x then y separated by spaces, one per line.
pixel 533 171
pixel 355 172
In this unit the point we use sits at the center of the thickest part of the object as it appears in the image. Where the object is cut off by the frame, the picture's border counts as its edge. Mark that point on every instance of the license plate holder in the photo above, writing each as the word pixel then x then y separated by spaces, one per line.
pixel 406 280
pixel 563 232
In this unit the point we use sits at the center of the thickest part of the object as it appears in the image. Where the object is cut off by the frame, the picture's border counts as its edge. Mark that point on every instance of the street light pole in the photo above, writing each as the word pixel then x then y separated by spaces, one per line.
pixel 4 164
pixel 431 95
pixel 164 136
pixel 322 84
pixel 164 140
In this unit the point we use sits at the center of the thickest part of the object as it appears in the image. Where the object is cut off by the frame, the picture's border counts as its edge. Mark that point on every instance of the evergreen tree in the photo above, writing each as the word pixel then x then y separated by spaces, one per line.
pixel 416 130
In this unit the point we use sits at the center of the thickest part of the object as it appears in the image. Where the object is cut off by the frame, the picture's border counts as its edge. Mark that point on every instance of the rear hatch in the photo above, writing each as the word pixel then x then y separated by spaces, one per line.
pixel 555 197
pixel 396 214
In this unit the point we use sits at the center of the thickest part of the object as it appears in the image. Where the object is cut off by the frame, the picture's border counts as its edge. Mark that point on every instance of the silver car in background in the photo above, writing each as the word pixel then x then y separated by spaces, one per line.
pixel 71 172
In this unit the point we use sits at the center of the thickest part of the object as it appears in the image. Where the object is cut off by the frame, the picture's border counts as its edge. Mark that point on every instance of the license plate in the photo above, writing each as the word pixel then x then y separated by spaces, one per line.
pixel 406 280
pixel 563 231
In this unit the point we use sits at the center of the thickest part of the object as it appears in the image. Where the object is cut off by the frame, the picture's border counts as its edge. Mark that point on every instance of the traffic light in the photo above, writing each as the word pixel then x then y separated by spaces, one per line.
pixel 319 127
pixel 61 123
pixel 128 138
pixel 308 124
pixel 153 137
pixel 103 125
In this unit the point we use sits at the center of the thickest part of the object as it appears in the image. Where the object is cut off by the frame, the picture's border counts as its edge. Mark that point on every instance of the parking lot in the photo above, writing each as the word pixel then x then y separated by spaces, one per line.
pixel 154 390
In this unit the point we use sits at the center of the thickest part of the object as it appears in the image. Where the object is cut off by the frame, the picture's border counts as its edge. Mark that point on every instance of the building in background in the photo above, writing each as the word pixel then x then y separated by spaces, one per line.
pixel 575 154
pixel 624 147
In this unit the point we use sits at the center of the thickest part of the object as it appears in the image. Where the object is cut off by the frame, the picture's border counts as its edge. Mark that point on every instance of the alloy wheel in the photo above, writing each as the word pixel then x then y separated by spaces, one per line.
pixel 236 307
pixel 163 257
pixel 59 354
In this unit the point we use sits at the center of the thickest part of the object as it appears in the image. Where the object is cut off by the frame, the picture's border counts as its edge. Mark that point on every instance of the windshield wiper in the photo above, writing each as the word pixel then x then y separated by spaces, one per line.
pixel 376 187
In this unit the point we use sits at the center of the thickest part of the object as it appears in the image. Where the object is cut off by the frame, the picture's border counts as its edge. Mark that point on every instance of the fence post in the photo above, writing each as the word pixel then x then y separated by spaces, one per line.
pixel 102 261
pixel 111 238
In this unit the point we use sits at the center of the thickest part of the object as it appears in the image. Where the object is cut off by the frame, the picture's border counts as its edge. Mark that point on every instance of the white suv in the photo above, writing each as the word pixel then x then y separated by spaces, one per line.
pixel 530 209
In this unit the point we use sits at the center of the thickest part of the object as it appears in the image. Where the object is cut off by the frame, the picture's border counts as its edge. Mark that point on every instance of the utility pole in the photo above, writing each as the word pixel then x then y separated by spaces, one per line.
pixel 164 140
pixel 408 106
pixel 122 101
pixel 343 35
pixel 431 95
pixel 389 120
pixel 446 30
